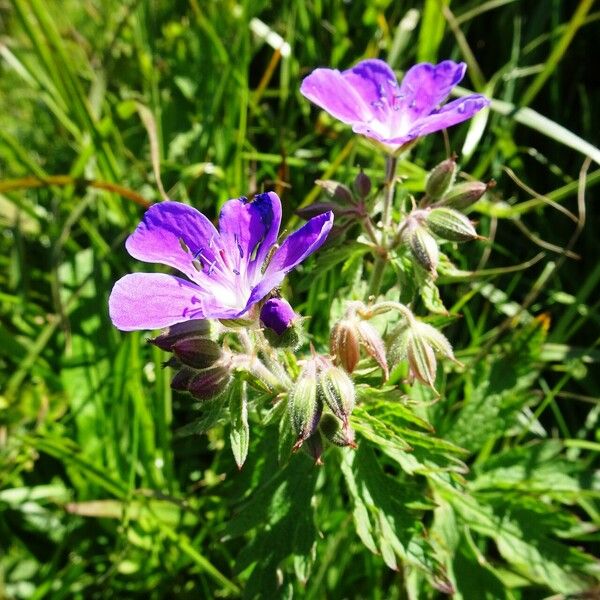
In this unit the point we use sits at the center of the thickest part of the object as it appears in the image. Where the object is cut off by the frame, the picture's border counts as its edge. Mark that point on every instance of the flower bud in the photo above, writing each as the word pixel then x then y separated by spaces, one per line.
pixel 210 383
pixel 371 340
pixel 423 246
pixel 318 208
pixel 277 314
pixel 335 433
pixel 336 389
pixel 463 195
pixel 180 331
pixel 450 225
pixel 399 339
pixel 181 379
pixel 313 446
pixel 197 352
pixel 362 184
pixel 204 384
pixel 304 405
pixel 337 190
pixel 344 344
pixel 421 360
pixel 440 179
pixel 436 339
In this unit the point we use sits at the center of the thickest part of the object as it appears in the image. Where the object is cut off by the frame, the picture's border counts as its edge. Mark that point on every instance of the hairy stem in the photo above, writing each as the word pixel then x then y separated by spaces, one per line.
pixel 386 223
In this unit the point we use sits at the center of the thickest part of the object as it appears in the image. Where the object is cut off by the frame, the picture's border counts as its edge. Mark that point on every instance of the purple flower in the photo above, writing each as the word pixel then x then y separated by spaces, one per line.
pixel 368 97
pixel 225 268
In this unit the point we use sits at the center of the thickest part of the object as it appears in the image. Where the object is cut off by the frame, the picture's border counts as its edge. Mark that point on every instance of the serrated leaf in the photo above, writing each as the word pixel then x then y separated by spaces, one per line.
pixel 501 389
pixel 281 510
pixel 526 542
pixel 382 520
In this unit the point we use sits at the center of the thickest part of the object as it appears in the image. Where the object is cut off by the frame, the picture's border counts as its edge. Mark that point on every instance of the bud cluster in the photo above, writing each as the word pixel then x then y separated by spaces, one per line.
pixel 320 387
pixel 203 368
pixel 423 227
pixel 441 189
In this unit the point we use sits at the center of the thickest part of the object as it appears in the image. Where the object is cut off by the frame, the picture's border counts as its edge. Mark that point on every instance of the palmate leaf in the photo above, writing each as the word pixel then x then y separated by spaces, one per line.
pixel 501 389
pixel 280 516
pixel 525 537
pixel 537 469
pixel 387 425
pixel 383 520
pixel 471 575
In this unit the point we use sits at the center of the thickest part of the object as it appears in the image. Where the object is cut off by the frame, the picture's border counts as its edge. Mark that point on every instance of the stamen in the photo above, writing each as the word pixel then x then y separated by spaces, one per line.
pixel 197 264
pixel 239 247
pixel 184 246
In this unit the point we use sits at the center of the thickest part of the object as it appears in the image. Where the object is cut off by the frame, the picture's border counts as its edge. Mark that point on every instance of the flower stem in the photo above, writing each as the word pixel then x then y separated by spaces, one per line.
pixel 391 164
pixel 386 223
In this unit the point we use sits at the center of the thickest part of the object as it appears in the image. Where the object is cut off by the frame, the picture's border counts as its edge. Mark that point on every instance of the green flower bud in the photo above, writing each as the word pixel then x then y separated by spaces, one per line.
pixel 334 432
pixel 336 389
pixel 399 339
pixel 418 343
pixel 344 344
pixel 422 245
pixel 304 405
pixel 463 195
pixel 440 179
pixel 436 339
pixel 450 225
pixel 197 352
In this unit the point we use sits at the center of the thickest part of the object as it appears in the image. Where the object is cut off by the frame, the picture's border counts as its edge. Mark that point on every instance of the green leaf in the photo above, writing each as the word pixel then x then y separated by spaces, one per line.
pixel 500 390
pixel 239 436
pixel 280 511
pixel 381 517
pixel 525 541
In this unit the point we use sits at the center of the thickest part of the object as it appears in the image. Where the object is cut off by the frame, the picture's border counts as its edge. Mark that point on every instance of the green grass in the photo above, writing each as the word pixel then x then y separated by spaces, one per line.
pixel 103 492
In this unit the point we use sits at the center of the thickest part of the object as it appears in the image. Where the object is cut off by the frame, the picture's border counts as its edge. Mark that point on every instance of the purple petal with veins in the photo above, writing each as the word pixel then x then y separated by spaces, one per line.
pixel 226 269
pixel 368 98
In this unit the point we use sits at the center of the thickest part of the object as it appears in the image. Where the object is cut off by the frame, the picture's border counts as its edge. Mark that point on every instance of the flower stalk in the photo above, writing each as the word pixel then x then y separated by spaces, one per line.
pixel 386 222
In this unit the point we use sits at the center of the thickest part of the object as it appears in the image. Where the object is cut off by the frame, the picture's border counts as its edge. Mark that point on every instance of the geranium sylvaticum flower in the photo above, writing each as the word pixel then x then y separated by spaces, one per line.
pixel 226 270
pixel 369 98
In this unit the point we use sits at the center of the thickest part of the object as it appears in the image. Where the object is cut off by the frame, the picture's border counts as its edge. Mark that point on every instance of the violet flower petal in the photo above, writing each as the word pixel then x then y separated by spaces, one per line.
pixel 153 301
pixel 296 247
pixel 376 84
pixel 450 114
pixel 329 89
pixel 157 238
pixel 424 86
pixel 248 231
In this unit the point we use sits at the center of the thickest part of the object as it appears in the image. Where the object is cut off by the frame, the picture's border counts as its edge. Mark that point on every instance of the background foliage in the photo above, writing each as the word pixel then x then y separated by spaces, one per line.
pixel 108 488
